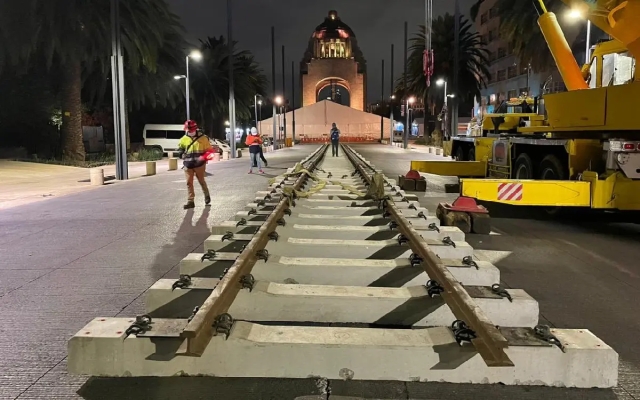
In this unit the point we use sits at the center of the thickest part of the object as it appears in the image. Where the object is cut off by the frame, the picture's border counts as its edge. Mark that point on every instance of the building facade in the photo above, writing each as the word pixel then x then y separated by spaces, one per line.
pixel 509 78
pixel 333 67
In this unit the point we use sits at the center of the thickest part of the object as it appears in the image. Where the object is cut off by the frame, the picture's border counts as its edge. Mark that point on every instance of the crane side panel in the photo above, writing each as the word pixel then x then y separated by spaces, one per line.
pixel 622 107
pixel 576 109
pixel 528 192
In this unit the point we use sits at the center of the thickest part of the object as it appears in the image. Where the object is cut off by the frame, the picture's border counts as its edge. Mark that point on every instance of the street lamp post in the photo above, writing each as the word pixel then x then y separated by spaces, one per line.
pixel 576 14
pixel 197 56
pixel 117 81
pixel 260 115
pixel 442 82
pixel 255 107
pixel 407 128
pixel 393 125
pixel 278 102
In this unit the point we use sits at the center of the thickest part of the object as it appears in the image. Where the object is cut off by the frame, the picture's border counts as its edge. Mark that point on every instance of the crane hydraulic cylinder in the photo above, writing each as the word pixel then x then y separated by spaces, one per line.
pixel 566 62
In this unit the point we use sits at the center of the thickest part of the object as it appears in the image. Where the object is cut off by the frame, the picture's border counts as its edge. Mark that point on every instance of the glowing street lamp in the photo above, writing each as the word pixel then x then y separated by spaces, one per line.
pixel 197 56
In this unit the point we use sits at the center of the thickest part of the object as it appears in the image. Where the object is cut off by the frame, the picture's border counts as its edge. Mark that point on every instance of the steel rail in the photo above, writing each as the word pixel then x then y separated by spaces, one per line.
pixel 489 341
pixel 200 329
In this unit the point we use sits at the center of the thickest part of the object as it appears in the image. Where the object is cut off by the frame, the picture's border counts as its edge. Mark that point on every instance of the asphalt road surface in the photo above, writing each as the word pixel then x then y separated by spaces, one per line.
pixel 70 259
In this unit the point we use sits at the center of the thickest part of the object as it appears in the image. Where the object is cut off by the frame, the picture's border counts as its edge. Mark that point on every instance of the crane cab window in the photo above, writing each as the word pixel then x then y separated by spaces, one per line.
pixel 617 69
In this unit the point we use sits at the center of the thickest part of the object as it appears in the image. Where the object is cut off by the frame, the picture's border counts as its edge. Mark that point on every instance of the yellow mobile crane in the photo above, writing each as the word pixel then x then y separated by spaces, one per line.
pixel 585 152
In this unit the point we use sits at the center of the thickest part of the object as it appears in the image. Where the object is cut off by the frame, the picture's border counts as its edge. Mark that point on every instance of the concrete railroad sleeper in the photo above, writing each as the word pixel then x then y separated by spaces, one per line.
pixel 335 272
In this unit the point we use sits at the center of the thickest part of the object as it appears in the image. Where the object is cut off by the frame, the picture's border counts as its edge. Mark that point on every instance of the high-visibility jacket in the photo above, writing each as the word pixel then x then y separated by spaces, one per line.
pixel 254 143
pixel 194 149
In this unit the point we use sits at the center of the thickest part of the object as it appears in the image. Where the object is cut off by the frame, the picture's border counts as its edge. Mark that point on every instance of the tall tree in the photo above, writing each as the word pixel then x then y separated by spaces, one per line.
pixel 473 59
pixel 149 86
pixel 519 26
pixel 210 84
pixel 76 36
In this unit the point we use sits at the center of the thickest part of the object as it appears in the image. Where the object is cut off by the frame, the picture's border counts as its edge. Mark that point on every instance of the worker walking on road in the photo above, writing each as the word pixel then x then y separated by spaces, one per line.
pixel 194 147
pixel 264 160
pixel 255 146
pixel 335 139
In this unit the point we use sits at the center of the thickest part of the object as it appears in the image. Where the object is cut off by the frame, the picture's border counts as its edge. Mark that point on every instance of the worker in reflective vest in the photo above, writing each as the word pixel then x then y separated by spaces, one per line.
pixel 194 147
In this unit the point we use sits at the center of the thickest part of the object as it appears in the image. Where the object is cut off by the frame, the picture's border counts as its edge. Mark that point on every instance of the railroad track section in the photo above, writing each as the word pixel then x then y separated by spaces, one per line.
pixel 335 272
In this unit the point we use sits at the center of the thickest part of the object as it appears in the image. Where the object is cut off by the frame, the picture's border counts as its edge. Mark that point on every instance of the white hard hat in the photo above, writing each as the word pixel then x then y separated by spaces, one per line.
pixel 254 131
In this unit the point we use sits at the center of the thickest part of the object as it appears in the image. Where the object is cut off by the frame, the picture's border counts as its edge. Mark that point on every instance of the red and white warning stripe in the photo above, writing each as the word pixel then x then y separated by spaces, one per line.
pixel 510 191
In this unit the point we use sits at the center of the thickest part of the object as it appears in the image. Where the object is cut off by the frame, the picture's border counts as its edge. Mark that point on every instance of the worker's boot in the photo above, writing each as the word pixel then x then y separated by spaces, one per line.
pixel 190 204
pixel 207 200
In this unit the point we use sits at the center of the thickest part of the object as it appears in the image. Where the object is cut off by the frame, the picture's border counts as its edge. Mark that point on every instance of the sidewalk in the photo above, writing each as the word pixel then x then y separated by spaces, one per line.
pixel 25 183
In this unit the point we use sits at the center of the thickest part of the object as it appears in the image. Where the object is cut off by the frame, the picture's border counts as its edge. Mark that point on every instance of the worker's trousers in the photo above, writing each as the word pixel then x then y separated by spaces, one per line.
pixel 199 173
pixel 335 145
pixel 264 160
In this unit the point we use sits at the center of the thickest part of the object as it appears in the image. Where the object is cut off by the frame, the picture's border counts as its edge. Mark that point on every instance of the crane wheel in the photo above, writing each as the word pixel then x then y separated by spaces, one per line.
pixel 523 167
pixel 552 169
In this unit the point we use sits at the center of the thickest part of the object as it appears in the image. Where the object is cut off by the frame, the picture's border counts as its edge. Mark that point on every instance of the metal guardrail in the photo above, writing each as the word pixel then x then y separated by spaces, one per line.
pixel 201 327
pixel 486 337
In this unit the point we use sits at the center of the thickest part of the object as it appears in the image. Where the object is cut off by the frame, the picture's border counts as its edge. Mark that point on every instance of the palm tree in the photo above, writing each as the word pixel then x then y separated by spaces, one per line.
pixel 475 9
pixel 518 24
pixel 473 59
pixel 153 87
pixel 75 35
pixel 210 83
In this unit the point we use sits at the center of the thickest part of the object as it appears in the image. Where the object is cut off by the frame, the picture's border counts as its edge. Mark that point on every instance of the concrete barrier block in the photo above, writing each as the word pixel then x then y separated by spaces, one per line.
pixel 96 176
pixel 173 164
pixel 151 168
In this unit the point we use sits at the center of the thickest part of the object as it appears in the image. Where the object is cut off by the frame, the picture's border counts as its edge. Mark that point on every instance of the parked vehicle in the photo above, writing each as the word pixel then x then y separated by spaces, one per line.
pixel 584 150
pixel 164 138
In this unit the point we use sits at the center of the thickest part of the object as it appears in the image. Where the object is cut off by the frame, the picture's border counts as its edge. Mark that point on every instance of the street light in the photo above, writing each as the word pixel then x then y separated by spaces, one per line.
pixel 443 82
pixel 255 106
pixel 278 101
pixel 197 56
pixel 407 128
pixel 576 14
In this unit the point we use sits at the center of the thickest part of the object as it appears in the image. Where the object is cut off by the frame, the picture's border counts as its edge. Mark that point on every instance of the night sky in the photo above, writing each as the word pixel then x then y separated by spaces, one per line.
pixel 375 23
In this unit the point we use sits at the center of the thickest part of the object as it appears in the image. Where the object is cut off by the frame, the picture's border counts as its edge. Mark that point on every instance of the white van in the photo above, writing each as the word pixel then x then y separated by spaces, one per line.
pixel 164 138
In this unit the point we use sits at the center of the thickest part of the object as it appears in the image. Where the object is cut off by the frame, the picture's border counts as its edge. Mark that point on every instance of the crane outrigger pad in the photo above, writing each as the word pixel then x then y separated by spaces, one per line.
pixel 451 168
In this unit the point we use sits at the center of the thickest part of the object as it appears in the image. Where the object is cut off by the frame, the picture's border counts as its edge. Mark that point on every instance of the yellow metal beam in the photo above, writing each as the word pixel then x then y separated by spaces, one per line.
pixel 451 168
pixel 528 192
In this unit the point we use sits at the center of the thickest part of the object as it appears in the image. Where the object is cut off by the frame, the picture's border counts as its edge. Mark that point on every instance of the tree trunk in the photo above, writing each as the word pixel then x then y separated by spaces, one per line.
pixel 71 100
